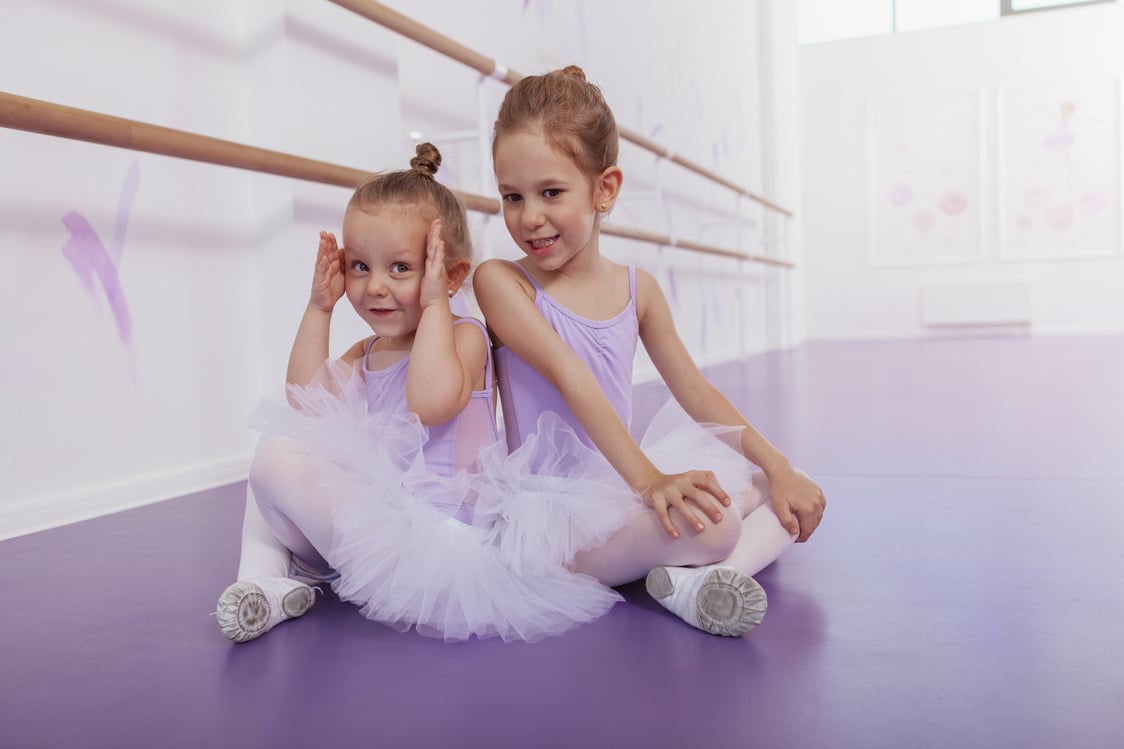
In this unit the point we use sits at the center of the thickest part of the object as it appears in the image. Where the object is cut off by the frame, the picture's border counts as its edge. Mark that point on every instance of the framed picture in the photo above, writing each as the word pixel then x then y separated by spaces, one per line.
pixel 925 180
pixel 1059 171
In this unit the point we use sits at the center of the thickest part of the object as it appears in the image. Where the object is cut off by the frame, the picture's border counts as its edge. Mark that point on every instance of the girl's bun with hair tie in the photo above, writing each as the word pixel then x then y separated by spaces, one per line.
pixel 427 161
pixel 573 71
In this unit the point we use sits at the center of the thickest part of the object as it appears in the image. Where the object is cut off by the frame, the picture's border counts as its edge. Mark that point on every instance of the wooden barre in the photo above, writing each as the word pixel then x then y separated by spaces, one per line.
pixel 36 116
pixel 47 118
pixel 687 244
pixel 427 37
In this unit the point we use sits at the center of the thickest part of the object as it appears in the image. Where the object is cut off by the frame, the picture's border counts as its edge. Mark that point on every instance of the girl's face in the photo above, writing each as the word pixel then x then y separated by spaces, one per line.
pixel 548 201
pixel 384 262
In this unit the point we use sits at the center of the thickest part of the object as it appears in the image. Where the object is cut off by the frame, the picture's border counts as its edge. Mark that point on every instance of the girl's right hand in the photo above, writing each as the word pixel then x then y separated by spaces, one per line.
pixel 687 493
pixel 328 279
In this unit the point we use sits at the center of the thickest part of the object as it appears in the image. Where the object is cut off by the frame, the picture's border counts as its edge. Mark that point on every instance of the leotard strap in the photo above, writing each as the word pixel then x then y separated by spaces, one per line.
pixel 529 277
pixel 488 346
pixel 631 280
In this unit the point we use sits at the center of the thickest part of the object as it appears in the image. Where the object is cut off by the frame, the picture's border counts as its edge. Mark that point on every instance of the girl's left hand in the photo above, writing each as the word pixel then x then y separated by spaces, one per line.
pixel 686 493
pixel 435 282
pixel 798 501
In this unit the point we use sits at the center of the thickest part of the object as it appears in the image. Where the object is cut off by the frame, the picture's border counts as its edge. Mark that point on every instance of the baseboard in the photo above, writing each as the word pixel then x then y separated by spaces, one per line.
pixel 50 511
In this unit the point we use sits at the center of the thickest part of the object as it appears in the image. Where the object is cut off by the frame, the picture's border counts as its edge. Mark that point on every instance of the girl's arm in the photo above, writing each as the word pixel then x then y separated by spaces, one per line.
pixel 798 501
pixel 508 305
pixel 444 360
pixel 310 347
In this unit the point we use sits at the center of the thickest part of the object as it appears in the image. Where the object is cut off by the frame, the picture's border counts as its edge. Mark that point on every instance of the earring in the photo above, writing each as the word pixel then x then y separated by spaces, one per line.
pixel 602 206
pixel 451 292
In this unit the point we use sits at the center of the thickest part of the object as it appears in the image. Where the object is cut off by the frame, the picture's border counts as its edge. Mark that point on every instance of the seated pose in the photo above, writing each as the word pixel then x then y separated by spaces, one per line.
pixel 576 490
pixel 361 478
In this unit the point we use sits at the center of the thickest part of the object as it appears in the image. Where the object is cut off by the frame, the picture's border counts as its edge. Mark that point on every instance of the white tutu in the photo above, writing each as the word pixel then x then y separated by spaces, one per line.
pixel 406 563
pixel 550 498
pixel 405 544
pixel 675 443
pixel 330 419
pixel 554 496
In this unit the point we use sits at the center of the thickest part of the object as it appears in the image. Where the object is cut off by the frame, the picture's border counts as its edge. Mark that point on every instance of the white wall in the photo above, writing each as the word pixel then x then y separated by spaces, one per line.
pixel 214 264
pixel 847 296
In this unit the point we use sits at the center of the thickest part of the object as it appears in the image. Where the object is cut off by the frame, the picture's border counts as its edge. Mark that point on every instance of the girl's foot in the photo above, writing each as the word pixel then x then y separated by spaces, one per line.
pixel 250 608
pixel 718 600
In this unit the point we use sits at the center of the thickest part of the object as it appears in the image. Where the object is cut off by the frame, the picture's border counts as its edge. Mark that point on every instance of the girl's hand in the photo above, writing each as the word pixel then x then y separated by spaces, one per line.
pixel 688 493
pixel 798 501
pixel 328 279
pixel 435 282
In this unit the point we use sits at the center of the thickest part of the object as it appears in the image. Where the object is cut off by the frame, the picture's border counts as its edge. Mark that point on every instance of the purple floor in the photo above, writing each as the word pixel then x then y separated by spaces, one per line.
pixel 964 590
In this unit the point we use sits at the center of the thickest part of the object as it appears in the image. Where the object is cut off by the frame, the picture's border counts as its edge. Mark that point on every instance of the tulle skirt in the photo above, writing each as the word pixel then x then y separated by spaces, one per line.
pixel 409 548
pixel 554 496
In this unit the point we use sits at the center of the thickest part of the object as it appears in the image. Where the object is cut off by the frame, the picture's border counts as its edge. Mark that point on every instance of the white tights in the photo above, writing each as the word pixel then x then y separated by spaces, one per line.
pixel 747 543
pixel 287 512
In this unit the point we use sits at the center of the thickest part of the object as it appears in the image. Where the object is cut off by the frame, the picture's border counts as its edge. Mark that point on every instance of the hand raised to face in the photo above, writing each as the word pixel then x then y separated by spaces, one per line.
pixel 435 282
pixel 328 278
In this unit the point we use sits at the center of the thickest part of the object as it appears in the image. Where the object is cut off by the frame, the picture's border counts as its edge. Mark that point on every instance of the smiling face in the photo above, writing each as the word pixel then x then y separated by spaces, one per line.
pixel 548 201
pixel 384 258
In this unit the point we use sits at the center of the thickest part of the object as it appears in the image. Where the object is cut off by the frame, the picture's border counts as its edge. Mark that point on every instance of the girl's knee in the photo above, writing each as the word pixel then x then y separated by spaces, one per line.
pixel 719 539
pixel 273 464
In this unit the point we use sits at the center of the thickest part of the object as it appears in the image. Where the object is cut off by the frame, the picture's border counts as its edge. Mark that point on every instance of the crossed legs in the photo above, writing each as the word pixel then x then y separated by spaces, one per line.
pixel 719 595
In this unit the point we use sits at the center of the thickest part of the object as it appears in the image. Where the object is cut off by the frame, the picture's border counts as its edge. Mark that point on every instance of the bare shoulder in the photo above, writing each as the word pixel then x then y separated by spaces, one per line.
pixel 505 297
pixel 497 273
pixel 357 351
pixel 468 331
pixel 473 346
pixel 649 294
pixel 647 283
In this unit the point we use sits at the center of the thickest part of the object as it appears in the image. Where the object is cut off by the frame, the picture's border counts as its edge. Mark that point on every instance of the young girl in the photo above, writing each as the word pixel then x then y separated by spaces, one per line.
pixel 361 475
pixel 566 322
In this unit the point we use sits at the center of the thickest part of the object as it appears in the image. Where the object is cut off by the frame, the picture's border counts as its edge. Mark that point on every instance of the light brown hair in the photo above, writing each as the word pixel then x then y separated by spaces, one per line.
pixel 571 113
pixel 417 188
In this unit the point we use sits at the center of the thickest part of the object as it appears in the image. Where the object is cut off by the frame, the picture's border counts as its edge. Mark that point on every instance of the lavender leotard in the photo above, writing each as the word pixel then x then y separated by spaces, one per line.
pixel 608 347
pixel 554 494
pixel 453 446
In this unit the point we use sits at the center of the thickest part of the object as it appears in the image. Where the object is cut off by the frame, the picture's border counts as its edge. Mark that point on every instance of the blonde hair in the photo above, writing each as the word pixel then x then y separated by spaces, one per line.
pixel 416 188
pixel 571 113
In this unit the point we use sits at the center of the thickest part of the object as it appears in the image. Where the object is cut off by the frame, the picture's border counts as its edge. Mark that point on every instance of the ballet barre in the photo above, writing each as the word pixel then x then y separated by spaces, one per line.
pixel 48 118
pixel 427 37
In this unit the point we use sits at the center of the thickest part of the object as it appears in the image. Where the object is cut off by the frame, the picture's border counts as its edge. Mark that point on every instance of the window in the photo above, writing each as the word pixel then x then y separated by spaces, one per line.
pixel 831 20
pixel 1022 6
pixel 910 15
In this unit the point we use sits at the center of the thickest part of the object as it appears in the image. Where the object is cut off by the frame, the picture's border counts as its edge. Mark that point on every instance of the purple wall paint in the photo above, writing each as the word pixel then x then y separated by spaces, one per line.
pixel 91 260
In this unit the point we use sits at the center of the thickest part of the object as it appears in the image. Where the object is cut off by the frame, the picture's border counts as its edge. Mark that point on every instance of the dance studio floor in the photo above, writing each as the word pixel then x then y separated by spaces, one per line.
pixel 964 590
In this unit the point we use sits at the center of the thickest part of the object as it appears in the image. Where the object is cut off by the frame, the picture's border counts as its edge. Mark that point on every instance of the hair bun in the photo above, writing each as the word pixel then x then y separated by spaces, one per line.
pixel 572 71
pixel 427 161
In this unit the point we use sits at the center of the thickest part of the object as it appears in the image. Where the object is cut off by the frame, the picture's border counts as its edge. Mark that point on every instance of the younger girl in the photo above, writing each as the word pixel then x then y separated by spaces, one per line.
pixel 566 322
pixel 360 478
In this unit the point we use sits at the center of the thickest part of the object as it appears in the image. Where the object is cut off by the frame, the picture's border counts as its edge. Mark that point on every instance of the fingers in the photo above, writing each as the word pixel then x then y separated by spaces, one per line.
pixel 687 493
pixel 788 519
pixel 665 518
pixel 435 246
pixel 810 519
pixel 804 503
pixel 328 253
pixel 714 495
